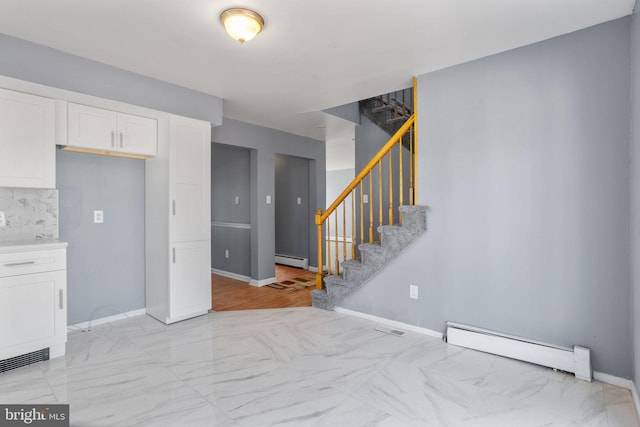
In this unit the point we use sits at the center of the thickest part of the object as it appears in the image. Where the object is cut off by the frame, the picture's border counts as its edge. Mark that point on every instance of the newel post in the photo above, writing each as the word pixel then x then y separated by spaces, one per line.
pixel 319 272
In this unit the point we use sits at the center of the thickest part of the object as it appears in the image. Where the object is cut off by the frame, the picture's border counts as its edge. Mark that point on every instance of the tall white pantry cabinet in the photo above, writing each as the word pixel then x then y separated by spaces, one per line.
pixel 178 221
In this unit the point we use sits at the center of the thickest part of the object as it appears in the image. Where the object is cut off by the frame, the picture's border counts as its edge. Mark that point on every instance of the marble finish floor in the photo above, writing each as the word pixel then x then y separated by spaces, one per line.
pixel 300 367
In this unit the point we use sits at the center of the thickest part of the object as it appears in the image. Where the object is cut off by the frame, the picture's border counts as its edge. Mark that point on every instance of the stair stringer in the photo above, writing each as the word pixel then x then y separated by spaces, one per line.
pixel 374 258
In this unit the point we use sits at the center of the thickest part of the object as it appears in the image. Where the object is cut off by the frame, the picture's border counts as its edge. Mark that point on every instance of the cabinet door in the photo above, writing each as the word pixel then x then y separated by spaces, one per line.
pixel 91 127
pixel 190 280
pixel 33 312
pixel 190 176
pixel 27 140
pixel 138 135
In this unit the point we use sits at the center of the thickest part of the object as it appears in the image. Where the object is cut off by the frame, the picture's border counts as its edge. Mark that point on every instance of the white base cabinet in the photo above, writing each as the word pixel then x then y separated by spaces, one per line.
pixel 33 304
pixel 189 271
pixel 178 221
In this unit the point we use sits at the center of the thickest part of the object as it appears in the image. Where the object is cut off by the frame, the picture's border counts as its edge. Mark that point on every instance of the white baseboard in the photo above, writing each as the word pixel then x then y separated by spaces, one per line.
pixel 622 383
pixel 263 282
pixel 636 398
pixel 315 269
pixel 231 275
pixel 599 376
pixel 102 320
pixel 613 380
pixel 292 261
pixel 389 322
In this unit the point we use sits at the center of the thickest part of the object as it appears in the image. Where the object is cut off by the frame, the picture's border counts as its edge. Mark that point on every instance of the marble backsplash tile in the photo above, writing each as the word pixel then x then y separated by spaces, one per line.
pixel 30 213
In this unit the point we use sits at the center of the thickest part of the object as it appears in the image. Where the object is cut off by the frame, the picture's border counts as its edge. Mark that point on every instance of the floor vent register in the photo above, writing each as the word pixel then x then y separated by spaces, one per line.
pixel 24 360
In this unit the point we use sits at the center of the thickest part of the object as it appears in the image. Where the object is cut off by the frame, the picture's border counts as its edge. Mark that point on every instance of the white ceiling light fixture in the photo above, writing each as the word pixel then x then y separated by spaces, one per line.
pixel 241 24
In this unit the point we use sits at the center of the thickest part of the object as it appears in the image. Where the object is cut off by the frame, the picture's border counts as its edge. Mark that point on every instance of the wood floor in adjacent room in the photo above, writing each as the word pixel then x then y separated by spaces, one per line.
pixel 230 294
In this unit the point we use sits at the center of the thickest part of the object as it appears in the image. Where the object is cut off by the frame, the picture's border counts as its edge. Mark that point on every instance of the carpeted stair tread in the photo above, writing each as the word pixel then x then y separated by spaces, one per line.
pixel 374 258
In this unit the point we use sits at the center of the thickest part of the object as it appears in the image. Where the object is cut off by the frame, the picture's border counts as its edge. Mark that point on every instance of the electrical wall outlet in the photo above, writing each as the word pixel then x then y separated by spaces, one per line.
pixel 365 198
pixel 237 200
pixel 413 292
pixel 226 253
pixel 98 217
pixel 268 199
pixel 299 201
pixel 3 219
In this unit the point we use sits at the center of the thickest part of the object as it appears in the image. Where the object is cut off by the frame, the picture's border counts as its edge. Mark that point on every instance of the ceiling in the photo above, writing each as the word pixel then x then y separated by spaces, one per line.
pixel 312 55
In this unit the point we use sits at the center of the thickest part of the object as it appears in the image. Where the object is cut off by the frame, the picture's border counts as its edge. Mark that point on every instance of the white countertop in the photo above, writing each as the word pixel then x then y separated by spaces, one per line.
pixel 31 245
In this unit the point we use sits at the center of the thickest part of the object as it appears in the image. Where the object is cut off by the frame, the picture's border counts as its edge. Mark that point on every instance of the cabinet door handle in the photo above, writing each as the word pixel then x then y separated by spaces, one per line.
pixel 174 255
pixel 113 138
pixel 17 264
pixel 61 297
pixel 173 207
pixel 121 140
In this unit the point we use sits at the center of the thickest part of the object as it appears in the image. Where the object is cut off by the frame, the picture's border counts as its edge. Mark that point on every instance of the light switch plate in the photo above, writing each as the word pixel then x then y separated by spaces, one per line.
pixel 413 292
pixel 98 217
pixel 3 219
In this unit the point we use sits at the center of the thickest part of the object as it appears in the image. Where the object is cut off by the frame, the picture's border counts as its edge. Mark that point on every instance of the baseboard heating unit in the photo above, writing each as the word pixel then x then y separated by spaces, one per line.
pixel 292 261
pixel 576 360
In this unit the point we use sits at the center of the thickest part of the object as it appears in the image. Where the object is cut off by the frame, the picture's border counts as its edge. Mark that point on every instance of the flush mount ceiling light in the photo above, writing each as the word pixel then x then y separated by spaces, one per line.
pixel 241 24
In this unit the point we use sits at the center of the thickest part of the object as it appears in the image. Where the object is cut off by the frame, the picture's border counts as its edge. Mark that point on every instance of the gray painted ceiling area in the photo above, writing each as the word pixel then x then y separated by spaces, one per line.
pixel 312 55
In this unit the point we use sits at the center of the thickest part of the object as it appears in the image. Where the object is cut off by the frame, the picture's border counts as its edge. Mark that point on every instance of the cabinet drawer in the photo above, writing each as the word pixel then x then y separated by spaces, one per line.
pixel 27 262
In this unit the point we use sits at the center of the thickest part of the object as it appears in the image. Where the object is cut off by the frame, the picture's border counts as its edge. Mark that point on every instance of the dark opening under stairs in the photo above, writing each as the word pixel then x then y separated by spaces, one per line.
pixel 374 257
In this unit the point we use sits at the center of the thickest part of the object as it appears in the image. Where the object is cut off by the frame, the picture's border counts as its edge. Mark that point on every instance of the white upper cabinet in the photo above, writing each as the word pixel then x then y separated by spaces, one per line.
pixel 27 140
pixel 137 134
pixel 100 129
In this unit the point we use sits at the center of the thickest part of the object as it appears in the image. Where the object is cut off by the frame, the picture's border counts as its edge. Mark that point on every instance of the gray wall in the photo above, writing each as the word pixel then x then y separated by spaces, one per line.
pixel 105 262
pixel 349 112
pixel 293 220
pixel 230 178
pixel 635 193
pixel 524 162
pixel 265 143
pixel 39 64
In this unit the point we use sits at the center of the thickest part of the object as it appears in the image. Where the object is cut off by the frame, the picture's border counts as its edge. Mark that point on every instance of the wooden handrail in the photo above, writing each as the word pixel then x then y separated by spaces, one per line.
pixel 414 192
pixel 408 128
pixel 368 168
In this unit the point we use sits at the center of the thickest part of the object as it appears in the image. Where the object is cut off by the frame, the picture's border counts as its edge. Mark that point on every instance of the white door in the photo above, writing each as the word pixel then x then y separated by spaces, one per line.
pixel 91 127
pixel 190 289
pixel 27 140
pixel 138 135
pixel 190 170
